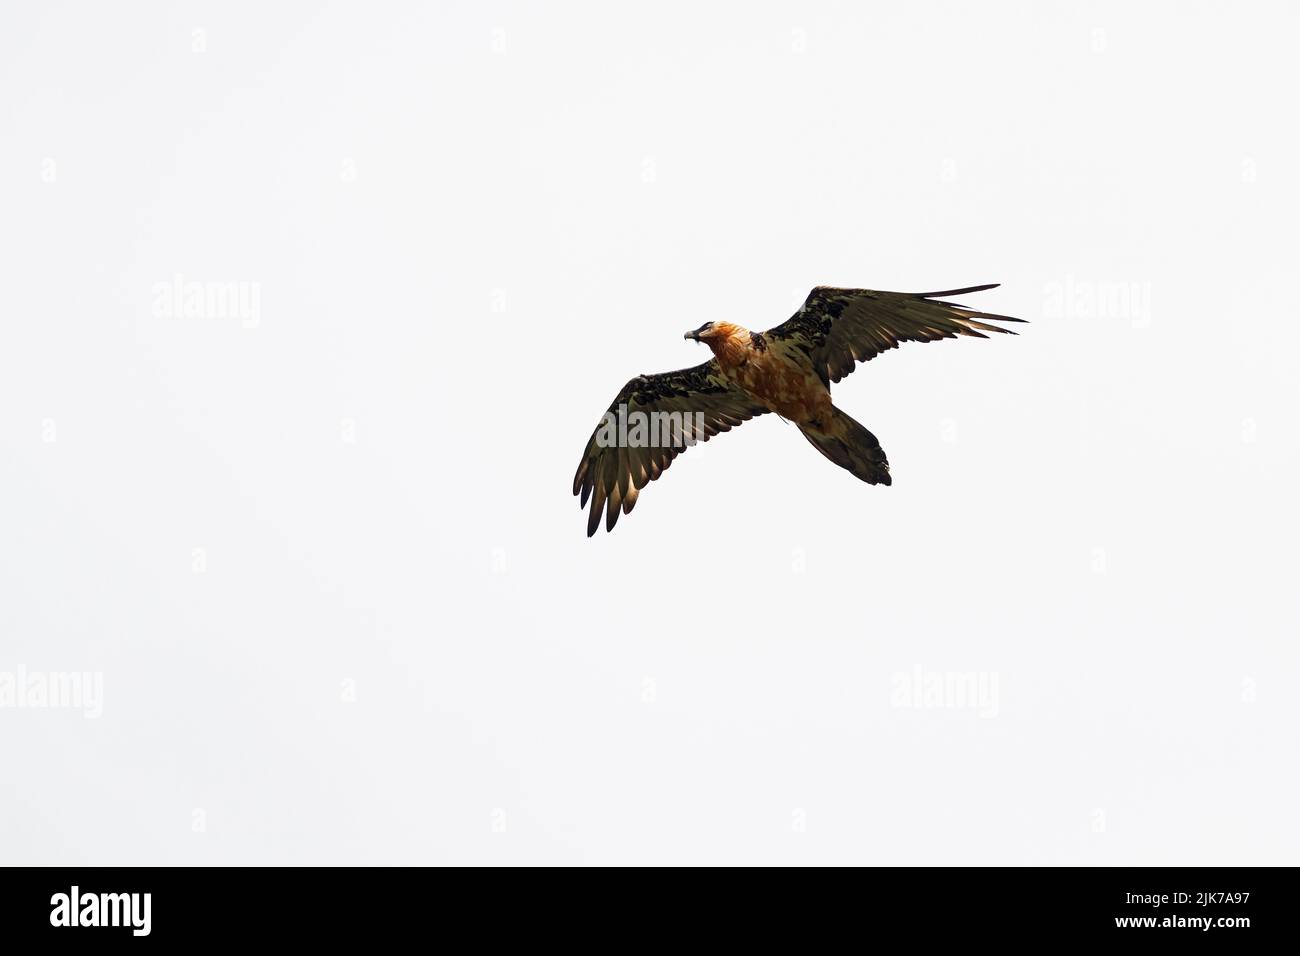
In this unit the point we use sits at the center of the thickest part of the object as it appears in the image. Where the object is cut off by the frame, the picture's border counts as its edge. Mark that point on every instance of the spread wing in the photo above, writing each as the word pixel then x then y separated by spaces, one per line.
pixel 674 410
pixel 837 328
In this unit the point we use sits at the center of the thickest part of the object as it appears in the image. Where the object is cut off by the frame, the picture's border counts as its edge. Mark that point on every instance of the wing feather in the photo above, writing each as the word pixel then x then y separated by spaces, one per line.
pixel 612 476
pixel 838 328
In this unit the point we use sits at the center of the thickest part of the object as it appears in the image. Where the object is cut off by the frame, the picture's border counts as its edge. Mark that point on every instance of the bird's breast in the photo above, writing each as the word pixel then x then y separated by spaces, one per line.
pixel 782 386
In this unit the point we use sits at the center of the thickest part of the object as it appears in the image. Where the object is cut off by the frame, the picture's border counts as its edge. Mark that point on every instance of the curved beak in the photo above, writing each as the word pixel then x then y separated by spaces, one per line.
pixel 694 335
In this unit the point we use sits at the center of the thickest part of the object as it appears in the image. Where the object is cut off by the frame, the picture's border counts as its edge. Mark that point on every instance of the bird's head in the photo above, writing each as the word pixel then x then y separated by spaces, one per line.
pixel 713 331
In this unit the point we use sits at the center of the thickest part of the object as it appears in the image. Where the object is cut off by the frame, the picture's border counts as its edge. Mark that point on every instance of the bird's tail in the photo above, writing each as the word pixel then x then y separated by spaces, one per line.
pixel 849 445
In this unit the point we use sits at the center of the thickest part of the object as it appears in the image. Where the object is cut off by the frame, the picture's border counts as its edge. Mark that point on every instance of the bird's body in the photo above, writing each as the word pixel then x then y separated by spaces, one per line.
pixel 781 378
pixel 787 370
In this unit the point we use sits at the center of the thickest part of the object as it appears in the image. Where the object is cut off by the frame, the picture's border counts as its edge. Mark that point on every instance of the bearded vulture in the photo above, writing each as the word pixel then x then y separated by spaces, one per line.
pixel 787 370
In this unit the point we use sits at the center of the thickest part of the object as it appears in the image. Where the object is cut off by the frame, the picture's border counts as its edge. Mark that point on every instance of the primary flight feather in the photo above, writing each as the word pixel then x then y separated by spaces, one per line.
pixel 787 370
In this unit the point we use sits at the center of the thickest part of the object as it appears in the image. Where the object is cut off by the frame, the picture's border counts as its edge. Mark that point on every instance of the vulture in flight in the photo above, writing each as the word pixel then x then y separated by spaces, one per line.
pixel 787 370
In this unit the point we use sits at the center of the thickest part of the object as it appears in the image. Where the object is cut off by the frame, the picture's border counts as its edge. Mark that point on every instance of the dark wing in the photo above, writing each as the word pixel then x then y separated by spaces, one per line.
pixel 837 328
pixel 613 472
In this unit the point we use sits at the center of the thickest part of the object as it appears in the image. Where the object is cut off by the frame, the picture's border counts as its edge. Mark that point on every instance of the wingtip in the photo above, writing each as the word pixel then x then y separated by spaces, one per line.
pixel 965 291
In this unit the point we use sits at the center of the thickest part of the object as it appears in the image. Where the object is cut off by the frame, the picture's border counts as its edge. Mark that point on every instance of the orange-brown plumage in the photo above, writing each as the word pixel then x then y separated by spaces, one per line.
pixel 780 382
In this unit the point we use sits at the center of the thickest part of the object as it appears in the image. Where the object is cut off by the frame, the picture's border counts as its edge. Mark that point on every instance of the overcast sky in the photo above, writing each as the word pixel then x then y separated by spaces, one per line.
pixel 310 309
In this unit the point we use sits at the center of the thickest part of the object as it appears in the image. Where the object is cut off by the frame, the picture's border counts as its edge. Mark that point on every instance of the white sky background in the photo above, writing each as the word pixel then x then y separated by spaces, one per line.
pixel 467 226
